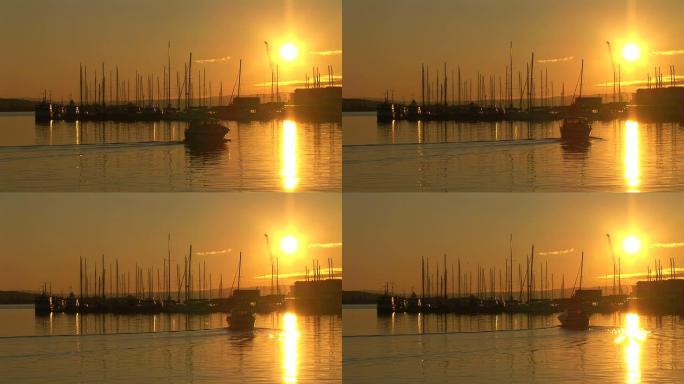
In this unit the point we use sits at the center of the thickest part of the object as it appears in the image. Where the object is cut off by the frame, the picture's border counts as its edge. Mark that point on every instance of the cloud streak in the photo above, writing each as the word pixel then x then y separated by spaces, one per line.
pixel 679 79
pixel 209 253
pixel 641 275
pixel 336 272
pixel 555 60
pixel 337 80
pixel 325 245
pixel 327 53
pixel 667 245
pixel 669 53
pixel 559 252
pixel 216 60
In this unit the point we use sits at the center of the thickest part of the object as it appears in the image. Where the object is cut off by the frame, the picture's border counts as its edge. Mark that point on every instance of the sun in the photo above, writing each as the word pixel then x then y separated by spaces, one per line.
pixel 289 51
pixel 289 244
pixel 631 52
pixel 631 244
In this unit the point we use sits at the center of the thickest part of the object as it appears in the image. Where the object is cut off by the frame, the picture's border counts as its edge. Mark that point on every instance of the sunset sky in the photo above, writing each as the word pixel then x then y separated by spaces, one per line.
pixel 386 41
pixel 45 40
pixel 43 235
pixel 385 235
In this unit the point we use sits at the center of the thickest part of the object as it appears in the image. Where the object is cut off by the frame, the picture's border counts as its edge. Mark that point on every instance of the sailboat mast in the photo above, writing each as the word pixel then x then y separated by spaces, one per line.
pixel 277 277
pixel 168 282
pixel 239 78
pixel 168 105
pixel 581 78
pixel 239 271
pixel 581 271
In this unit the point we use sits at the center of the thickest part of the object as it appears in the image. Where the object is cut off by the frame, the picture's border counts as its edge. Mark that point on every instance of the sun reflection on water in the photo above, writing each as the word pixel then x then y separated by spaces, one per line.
pixel 631 337
pixel 78 132
pixel 420 132
pixel 632 173
pixel 289 338
pixel 289 156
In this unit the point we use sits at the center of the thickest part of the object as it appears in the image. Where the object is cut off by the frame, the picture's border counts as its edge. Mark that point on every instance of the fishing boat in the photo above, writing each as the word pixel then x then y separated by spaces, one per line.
pixel 71 304
pixel 241 316
pixel 575 317
pixel 43 110
pixel 43 303
pixel 575 129
pixel 241 319
pixel 206 131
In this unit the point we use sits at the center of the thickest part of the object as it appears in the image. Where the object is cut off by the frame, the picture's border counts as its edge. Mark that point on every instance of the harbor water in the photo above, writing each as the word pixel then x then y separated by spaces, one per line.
pixel 66 156
pixel 505 348
pixel 510 156
pixel 284 347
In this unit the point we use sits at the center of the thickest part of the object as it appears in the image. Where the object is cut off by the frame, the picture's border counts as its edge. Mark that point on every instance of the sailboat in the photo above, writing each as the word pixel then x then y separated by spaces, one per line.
pixel 205 131
pixel 575 317
pixel 241 316
pixel 242 108
pixel 576 128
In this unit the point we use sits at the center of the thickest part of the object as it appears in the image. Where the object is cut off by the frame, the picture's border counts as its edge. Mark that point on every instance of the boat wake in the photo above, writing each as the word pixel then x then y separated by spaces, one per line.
pixel 448 144
pixel 445 333
pixel 182 332
pixel 467 144
pixel 22 152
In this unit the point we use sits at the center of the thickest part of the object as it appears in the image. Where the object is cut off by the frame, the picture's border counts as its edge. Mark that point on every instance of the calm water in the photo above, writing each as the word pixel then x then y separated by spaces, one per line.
pixel 167 348
pixel 509 156
pixel 618 348
pixel 146 156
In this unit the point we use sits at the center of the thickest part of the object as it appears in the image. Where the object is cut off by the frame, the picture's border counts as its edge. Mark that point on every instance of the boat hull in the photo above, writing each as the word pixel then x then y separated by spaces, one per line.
pixel 240 321
pixel 206 133
pixel 574 322
pixel 575 131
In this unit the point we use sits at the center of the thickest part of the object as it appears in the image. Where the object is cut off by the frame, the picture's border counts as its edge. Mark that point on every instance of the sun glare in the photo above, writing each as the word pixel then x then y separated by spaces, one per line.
pixel 289 156
pixel 632 173
pixel 631 52
pixel 289 51
pixel 289 244
pixel 290 348
pixel 631 244
pixel 631 336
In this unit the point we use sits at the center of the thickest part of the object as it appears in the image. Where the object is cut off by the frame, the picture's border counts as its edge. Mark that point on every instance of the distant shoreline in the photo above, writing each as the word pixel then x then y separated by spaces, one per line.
pixel 359 297
pixel 359 105
pixel 17 105
pixel 17 297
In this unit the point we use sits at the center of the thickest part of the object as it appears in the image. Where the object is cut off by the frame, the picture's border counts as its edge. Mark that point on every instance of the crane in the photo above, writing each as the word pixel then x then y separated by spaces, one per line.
pixel 270 63
pixel 612 63
pixel 270 252
pixel 612 252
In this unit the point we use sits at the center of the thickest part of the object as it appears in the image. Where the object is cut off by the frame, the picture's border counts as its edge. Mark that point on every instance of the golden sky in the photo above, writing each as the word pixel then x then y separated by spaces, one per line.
pixel 386 41
pixel 43 235
pixel 385 235
pixel 44 41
